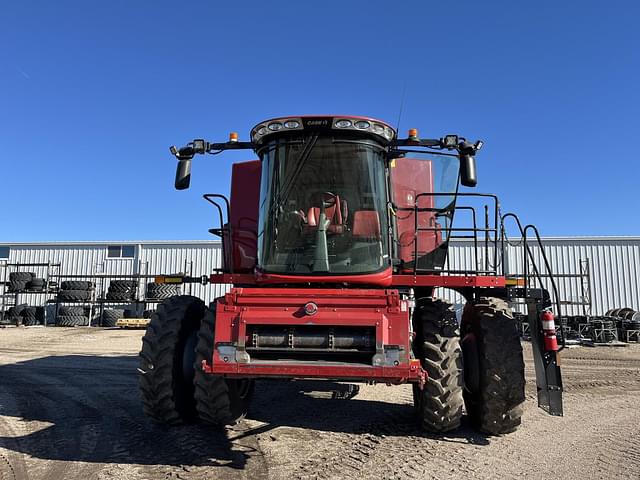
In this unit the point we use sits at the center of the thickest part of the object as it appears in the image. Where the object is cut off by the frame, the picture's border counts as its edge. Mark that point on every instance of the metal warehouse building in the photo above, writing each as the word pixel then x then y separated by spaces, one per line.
pixel 605 271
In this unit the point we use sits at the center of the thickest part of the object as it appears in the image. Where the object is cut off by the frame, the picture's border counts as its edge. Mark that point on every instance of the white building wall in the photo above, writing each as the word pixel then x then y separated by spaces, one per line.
pixel 614 265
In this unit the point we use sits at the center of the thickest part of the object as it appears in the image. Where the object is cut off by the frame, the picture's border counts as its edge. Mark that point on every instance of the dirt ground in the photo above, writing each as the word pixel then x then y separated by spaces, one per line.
pixel 69 409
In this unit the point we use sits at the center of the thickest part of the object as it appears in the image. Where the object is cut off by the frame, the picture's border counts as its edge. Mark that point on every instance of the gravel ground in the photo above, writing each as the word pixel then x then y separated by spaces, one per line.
pixel 69 409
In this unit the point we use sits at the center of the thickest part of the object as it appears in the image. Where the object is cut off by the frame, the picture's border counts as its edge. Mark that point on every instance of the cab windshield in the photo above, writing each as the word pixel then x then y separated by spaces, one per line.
pixel 323 206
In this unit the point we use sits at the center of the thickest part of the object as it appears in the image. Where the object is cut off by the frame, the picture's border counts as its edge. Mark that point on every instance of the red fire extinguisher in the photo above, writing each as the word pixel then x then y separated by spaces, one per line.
pixel 549 331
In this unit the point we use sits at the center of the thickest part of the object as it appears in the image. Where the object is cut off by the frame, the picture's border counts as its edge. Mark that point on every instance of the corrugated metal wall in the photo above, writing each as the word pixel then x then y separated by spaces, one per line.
pixel 614 265
pixel 194 258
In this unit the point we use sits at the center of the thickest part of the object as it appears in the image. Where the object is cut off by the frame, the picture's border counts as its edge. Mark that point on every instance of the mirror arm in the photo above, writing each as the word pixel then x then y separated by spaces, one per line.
pixel 185 155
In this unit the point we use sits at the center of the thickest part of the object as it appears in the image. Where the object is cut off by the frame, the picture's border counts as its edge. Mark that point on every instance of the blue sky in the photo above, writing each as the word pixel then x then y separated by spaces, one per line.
pixel 93 93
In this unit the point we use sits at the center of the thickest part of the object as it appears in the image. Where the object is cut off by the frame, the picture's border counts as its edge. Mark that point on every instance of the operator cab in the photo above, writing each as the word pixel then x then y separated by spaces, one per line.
pixel 335 201
pixel 323 196
pixel 338 196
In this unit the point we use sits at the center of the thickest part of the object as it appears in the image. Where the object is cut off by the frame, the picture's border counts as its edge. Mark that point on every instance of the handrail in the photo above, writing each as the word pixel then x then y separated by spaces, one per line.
pixel 527 252
pixel 473 230
pixel 209 198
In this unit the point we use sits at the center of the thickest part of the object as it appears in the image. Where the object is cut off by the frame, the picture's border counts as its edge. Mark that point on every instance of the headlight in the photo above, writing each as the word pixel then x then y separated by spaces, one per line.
pixel 362 124
pixel 343 123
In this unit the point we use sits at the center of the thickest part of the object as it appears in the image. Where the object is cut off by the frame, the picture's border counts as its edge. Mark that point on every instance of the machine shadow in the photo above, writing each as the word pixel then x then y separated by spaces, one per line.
pixel 91 412
pixel 335 407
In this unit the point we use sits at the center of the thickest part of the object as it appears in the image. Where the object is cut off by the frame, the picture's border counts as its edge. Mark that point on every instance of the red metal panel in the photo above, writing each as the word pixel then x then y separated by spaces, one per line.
pixel 366 225
pixel 379 309
pixel 243 215
pixel 410 177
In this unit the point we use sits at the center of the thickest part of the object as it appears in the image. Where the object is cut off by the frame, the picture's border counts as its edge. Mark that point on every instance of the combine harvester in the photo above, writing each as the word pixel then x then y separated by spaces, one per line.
pixel 334 241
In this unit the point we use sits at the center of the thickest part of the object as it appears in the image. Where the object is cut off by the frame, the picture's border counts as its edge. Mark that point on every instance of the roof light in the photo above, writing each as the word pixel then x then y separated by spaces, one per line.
pixel 362 124
pixel 378 128
pixel 275 126
pixel 292 124
pixel 262 130
pixel 450 141
pixel 233 137
pixel 343 123
pixel 388 133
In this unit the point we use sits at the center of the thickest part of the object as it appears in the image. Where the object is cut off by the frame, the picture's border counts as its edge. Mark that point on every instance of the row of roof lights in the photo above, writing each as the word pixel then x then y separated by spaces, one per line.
pixel 341 123
pixel 385 131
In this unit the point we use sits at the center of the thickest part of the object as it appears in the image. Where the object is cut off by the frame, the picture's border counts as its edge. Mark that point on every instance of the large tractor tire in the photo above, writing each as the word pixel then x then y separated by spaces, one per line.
pixel 219 400
pixel 74 295
pixel 72 321
pixel 77 285
pixel 110 317
pixel 167 358
pixel 21 276
pixel 122 285
pixel 159 291
pixel 493 366
pixel 437 345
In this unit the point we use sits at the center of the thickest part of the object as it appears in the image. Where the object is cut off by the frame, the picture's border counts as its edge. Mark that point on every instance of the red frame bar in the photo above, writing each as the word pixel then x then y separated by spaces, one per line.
pixel 451 281
pixel 411 373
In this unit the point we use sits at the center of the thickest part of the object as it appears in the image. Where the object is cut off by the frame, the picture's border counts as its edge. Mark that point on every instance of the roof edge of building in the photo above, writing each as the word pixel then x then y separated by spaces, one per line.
pixel 217 242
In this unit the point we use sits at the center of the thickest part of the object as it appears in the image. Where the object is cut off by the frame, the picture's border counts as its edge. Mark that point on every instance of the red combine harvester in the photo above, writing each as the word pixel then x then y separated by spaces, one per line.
pixel 334 241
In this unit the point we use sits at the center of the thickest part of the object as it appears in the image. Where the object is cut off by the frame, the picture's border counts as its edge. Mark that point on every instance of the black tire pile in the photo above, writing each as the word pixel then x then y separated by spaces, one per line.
pixel 627 319
pixel 72 317
pixel 122 290
pixel 24 315
pixel 110 316
pixel 25 282
pixel 160 291
pixel 76 291
pixel 12 315
pixel 605 324
pixel 567 328
pixel 32 316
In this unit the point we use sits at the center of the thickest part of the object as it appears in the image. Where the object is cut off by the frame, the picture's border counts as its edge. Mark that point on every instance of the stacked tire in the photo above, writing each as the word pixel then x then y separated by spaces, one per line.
pixel 18 281
pixel 13 316
pixel 122 290
pixel 110 316
pixel 602 329
pixel 37 285
pixel 161 291
pixel 628 320
pixel 71 317
pixel 32 316
pixel 76 291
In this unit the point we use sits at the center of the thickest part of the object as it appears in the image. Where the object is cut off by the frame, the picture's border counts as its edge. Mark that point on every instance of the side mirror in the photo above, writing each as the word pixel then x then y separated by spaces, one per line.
pixel 468 176
pixel 183 174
